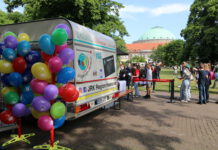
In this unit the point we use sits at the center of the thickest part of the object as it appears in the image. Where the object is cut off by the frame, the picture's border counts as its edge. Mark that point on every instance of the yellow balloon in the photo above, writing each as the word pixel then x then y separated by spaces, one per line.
pixel 37 114
pixel 41 71
pixel 5 90
pixel 23 37
pixel 6 66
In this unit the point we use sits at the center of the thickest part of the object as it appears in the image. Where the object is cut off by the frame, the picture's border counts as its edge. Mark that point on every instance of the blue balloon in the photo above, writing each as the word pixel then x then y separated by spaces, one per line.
pixel 9 54
pixel 2 46
pixel 23 48
pixel 66 74
pixel 26 97
pixel 26 88
pixel 46 45
pixel 15 79
pixel 32 57
pixel 5 80
pixel 59 122
pixel 27 77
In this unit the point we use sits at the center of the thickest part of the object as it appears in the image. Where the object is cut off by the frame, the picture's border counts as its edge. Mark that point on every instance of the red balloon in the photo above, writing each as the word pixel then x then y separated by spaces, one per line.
pixel 7 117
pixel 19 64
pixel 46 57
pixel 8 106
pixel 68 92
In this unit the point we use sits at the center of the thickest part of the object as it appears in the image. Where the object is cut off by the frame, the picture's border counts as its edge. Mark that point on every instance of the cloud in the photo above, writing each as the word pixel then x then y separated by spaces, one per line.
pixel 19 9
pixel 170 9
pixel 129 10
pixel 133 9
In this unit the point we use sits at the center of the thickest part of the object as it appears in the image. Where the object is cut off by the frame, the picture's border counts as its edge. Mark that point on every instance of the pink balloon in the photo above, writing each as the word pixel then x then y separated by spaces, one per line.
pixel 45 123
pixel 55 64
pixel 59 48
pixel 38 86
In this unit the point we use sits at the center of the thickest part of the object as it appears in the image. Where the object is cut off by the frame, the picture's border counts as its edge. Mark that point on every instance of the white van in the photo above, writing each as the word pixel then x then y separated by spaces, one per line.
pixel 94 63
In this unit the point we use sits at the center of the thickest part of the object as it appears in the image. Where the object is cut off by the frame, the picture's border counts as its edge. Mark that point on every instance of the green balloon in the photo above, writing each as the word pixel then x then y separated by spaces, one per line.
pixel 57 110
pixel 9 33
pixel 11 98
pixel 59 36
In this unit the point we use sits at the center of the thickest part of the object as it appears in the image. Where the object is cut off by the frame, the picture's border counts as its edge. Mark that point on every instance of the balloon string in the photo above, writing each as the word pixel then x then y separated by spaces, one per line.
pixel 52 137
pixel 19 127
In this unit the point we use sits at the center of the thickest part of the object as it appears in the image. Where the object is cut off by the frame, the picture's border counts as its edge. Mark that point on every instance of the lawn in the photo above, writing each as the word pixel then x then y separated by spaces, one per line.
pixel 168 74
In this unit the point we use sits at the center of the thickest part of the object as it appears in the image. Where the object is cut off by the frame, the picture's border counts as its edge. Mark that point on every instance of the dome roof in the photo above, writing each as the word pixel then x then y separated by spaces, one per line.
pixel 157 33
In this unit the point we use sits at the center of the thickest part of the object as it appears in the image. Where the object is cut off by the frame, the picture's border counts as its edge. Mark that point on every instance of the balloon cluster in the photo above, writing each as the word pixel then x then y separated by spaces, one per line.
pixel 37 82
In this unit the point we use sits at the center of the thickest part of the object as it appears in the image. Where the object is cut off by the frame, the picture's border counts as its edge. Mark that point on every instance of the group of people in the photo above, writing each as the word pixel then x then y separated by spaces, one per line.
pixel 140 76
pixel 203 74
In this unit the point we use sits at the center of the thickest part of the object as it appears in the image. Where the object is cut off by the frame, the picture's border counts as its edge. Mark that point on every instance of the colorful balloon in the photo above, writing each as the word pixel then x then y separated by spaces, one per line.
pixel 15 79
pixel 19 64
pixel 40 71
pixel 39 103
pixel 38 86
pixel 59 122
pixel 9 54
pixel 59 36
pixel 7 117
pixel 27 112
pixel 37 114
pixel 2 46
pixel 26 97
pixel 55 64
pixel 33 57
pixel 6 66
pixel 10 42
pixel 26 88
pixel 9 33
pixel 23 37
pixel 59 48
pixel 5 90
pixel 11 98
pixel 4 79
pixel 50 92
pixel 57 110
pixel 27 77
pixel 67 55
pixel 46 44
pixel 68 92
pixel 23 48
pixel 19 110
pixel 66 74
pixel 45 123
pixel 65 27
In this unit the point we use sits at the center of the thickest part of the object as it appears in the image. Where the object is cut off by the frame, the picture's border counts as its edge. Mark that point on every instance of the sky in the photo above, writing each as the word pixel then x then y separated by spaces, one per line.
pixel 141 15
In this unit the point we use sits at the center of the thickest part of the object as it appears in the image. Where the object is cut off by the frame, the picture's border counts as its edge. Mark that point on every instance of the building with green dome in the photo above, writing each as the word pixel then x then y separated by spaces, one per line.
pixel 148 42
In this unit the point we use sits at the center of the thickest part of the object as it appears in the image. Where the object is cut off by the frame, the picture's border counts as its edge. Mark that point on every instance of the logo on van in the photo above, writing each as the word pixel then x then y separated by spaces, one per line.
pixel 83 62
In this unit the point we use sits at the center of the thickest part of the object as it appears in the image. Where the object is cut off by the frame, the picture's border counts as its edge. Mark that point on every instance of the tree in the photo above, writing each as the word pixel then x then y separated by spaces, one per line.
pixel 201 33
pixel 12 17
pixel 138 59
pixel 169 54
pixel 100 15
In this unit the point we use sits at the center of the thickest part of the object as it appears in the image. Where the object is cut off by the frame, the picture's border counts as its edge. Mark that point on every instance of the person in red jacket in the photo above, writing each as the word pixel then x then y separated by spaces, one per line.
pixel 136 80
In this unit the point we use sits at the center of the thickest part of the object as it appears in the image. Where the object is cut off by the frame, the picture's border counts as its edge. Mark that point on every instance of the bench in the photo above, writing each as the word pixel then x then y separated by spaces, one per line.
pixel 119 95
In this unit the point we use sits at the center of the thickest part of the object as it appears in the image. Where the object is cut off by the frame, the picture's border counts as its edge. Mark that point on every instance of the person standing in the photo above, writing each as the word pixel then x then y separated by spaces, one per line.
pixel 175 70
pixel 122 73
pixel 129 72
pixel 148 84
pixel 154 76
pixel 202 84
pixel 136 79
pixel 208 80
pixel 158 69
pixel 185 86
pixel 215 70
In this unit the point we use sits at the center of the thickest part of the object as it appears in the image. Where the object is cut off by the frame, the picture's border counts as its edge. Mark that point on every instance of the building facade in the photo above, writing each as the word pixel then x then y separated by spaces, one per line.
pixel 148 42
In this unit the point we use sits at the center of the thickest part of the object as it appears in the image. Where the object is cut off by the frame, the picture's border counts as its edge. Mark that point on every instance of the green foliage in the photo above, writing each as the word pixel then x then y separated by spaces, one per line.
pixel 169 54
pixel 12 17
pixel 201 33
pixel 137 59
pixel 100 15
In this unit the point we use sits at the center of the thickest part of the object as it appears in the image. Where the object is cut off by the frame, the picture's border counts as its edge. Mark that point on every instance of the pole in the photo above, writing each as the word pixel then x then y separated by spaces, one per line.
pixel 52 137
pixel 19 127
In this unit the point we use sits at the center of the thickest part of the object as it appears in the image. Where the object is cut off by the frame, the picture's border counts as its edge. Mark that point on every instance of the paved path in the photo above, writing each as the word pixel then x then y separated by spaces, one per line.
pixel 140 125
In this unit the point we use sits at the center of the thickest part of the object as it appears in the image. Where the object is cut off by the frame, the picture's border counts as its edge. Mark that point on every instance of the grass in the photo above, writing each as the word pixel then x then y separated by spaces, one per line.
pixel 168 74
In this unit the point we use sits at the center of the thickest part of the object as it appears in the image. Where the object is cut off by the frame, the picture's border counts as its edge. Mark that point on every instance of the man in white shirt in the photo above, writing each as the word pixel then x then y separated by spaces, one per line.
pixel 148 77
